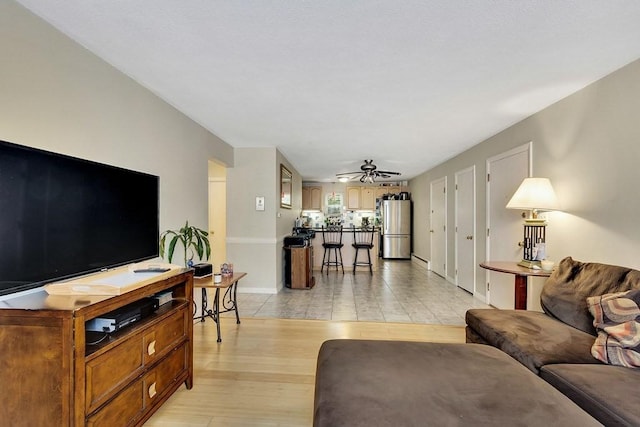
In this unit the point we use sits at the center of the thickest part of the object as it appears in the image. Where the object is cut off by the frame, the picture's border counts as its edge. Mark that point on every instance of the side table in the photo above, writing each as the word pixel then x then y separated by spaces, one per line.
pixel 521 274
pixel 229 302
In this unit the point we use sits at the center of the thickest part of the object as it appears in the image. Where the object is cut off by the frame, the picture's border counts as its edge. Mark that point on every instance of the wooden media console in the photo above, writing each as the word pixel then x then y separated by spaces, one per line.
pixel 53 374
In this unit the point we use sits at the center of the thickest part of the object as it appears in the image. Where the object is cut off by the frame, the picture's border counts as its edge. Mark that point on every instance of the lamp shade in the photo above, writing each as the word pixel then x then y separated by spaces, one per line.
pixel 534 193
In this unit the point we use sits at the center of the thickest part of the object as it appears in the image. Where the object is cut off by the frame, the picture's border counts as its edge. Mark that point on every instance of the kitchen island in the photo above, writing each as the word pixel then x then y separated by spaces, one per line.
pixel 348 251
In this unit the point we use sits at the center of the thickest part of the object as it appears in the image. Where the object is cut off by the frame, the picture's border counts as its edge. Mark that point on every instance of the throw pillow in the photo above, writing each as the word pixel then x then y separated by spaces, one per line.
pixel 616 317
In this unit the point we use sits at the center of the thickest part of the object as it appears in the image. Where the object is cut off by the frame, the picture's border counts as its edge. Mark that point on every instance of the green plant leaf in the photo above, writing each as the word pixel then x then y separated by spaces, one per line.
pixel 192 239
pixel 172 246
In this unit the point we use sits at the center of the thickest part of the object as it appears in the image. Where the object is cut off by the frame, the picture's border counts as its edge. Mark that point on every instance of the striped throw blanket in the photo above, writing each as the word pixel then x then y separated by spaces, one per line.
pixel 616 317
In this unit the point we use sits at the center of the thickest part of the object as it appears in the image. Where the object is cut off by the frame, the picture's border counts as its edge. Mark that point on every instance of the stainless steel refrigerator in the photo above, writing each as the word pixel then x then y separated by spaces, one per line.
pixel 396 229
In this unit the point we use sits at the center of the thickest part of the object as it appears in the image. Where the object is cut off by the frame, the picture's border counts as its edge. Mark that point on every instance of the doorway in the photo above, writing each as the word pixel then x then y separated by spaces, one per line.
pixel 217 213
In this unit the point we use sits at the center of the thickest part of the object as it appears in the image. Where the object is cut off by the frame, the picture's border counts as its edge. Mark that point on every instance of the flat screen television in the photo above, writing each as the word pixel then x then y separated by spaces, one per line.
pixel 61 217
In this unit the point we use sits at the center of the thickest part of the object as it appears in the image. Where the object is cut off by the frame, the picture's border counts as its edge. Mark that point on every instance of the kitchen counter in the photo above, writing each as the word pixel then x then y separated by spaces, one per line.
pixel 344 230
pixel 348 251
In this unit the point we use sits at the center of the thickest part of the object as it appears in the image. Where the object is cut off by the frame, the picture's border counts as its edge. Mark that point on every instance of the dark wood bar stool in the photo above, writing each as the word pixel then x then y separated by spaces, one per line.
pixel 363 239
pixel 332 241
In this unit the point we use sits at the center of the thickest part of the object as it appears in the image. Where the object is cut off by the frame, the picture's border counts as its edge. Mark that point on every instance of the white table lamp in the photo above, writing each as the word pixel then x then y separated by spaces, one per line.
pixel 534 195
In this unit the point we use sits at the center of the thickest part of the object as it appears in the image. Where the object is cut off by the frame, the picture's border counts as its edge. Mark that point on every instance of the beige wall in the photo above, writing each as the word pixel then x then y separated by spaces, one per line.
pixel 254 238
pixel 58 96
pixel 588 144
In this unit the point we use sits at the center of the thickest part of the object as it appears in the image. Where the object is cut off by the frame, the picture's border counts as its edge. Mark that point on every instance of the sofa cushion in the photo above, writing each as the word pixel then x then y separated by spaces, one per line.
pixel 564 294
pixel 532 338
pixel 397 383
pixel 616 318
pixel 608 393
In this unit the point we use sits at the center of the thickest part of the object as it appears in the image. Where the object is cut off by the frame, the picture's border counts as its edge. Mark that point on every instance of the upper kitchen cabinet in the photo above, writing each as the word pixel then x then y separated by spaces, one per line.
pixel 361 198
pixel 353 198
pixel 381 191
pixel 367 198
pixel 311 198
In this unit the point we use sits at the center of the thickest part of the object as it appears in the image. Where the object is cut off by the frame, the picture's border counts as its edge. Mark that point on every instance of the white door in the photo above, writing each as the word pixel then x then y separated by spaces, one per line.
pixel 505 172
pixel 466 229
pixel 438 226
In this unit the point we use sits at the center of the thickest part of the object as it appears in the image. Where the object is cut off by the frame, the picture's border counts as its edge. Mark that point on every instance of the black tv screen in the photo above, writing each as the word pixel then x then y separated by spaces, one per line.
pixel 61 217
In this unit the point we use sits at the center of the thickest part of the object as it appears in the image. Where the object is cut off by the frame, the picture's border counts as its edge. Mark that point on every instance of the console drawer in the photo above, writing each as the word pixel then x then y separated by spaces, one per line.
pixel 108 372
pixel 143 392
pixel 160 379
pixel 158 341
pixel 127 406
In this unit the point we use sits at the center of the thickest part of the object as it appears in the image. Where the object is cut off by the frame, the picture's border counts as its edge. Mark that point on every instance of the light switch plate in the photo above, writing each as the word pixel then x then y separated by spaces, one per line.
pixel 259 203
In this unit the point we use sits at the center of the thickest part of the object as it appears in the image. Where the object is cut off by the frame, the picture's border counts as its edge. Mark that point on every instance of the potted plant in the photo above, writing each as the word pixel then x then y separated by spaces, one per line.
pixel 191 239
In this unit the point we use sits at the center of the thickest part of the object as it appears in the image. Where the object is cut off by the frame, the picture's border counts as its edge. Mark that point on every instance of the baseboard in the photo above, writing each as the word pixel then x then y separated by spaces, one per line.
pixel 416 258
pixel 482 298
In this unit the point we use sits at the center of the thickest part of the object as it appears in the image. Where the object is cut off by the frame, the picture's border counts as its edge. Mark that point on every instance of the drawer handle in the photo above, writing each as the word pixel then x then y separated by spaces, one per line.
pixel 152 390
pixel 151 348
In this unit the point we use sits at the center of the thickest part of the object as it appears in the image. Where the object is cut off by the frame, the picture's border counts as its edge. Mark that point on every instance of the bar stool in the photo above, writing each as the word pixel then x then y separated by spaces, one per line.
pixel 363 239
pixel 332 241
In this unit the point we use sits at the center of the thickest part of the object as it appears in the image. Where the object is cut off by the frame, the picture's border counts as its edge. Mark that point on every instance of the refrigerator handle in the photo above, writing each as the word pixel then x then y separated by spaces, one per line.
pixel 385 220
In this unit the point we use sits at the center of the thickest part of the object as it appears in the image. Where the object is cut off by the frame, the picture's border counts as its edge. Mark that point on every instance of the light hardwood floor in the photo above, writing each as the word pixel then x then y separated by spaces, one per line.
pixel 262 374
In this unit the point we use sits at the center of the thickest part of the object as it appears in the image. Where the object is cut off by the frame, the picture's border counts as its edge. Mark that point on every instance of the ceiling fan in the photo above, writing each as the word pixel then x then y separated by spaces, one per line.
pixel 368 173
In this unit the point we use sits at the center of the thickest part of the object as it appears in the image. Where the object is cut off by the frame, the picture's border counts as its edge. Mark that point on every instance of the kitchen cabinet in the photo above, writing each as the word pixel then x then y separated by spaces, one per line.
pixel 302 268
pixel 353 198
pixel 316 197
pixel 311 198
pixel 361 198
pixel 367 198
pixel 381 191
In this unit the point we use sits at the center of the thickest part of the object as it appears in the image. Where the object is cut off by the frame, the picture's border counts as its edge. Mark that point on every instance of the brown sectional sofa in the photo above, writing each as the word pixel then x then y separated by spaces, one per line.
pixel 556 344
pixel 536 371
pixel 396 383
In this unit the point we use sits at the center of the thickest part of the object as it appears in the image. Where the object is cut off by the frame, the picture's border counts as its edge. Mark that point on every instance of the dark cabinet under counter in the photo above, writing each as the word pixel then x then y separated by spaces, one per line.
pixel 298 270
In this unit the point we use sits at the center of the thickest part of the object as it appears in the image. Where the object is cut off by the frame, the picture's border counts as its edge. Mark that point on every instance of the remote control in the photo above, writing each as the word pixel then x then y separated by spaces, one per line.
pixel 152 270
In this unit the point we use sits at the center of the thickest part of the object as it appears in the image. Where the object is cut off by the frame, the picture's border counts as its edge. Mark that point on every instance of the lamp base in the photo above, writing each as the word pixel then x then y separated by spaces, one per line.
pixel 535 221
pixel 529 264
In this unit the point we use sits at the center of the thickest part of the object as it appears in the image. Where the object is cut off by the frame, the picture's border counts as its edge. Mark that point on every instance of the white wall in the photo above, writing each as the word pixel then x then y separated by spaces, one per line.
pixel 58 96
pixel 588 144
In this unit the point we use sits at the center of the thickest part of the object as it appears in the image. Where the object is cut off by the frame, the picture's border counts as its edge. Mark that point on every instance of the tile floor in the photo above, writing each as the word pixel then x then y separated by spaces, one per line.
pixel 400 291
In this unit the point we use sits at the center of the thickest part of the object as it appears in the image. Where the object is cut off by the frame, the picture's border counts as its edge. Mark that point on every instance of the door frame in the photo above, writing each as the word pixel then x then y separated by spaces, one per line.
pixel 431 198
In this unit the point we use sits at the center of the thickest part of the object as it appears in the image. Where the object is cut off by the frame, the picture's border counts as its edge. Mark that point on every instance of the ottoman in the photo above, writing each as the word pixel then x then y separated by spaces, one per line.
pixel 397 383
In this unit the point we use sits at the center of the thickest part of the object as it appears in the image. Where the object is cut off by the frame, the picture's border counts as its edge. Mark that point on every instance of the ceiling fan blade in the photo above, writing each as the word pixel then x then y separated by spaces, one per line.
pixel 389 172
pixel 349 173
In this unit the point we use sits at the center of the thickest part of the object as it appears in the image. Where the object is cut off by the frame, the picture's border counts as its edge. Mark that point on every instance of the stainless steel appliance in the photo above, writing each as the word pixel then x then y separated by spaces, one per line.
pixel 396 229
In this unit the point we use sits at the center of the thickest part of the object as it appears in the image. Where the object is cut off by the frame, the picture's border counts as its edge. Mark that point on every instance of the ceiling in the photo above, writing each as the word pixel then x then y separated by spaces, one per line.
pixel 330 83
